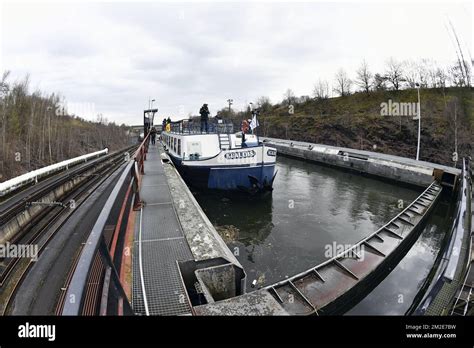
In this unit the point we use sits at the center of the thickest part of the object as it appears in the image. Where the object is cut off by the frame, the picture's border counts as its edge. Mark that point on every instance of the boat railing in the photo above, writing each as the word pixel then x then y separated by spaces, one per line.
pixel 193 126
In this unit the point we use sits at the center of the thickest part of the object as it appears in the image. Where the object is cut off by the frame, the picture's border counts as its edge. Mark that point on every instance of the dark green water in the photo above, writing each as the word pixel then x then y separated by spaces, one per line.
pixel 311 209
pixel 395 294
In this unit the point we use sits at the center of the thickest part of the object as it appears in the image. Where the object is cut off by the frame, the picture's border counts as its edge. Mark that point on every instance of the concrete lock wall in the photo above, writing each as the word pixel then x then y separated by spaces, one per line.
pixel 395 168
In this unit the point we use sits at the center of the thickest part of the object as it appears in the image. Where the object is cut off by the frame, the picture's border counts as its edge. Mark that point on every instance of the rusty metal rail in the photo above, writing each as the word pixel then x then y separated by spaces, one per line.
pixel 138 170
pixel 326 288
pixel 95 282
pixel 42 231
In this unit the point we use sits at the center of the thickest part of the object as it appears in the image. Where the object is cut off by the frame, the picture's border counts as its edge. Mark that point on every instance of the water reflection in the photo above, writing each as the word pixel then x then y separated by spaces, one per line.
pixel 395 294
pixel 235 219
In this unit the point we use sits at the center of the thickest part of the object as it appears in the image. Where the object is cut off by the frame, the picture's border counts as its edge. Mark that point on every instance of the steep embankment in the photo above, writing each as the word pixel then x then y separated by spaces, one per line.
pixel 355 121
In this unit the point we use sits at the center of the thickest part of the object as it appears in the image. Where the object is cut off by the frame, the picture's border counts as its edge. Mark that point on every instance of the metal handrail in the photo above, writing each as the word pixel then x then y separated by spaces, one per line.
pixel 193 126
pixel 443 273
pixel 77 286
pixel 460 228
pixel 95 243
pixel 140 154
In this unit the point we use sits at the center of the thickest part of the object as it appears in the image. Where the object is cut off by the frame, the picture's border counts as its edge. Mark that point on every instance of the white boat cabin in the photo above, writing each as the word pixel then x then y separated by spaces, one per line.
pixel 186 141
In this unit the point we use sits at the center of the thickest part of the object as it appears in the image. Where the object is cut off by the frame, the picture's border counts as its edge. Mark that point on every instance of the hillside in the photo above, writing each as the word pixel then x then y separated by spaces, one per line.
pixel 355 121
pixel 35 132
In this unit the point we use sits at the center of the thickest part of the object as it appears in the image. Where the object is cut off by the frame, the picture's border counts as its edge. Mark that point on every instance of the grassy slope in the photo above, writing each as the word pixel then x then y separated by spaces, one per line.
pixel 355 121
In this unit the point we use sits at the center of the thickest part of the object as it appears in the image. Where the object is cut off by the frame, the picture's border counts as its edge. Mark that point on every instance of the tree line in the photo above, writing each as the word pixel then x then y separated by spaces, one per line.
pixel 37 130
pixel 352 118
pixel 397 75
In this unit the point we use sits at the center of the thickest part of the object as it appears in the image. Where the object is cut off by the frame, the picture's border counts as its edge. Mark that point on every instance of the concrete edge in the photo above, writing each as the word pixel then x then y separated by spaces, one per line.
pixel 203 239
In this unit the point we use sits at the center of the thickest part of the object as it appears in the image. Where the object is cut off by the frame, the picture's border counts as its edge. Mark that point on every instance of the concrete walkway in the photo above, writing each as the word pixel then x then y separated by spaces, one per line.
pixel 159 242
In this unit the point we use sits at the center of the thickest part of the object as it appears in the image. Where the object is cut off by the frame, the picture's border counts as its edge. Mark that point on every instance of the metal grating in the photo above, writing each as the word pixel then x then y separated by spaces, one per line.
pixel 164 289
pixel 153 164
pixel 152 171
pixel 162 244
pixel 137 294
pixel 160 221
pixel 154 180
pixel 155 194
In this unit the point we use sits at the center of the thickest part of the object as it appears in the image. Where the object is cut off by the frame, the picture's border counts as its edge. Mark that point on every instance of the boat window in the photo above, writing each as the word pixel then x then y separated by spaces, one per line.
pixel 179 147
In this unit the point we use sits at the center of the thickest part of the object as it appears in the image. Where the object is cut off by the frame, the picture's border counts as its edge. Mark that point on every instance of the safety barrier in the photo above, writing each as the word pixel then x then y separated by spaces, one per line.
pixel 33 176
pixel 439 295
pixel 95 287
pixel 138 170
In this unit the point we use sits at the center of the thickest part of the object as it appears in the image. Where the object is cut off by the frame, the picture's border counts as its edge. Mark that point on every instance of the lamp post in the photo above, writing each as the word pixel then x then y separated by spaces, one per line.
pixel 419 123
pixel 151 112
pixel 230 101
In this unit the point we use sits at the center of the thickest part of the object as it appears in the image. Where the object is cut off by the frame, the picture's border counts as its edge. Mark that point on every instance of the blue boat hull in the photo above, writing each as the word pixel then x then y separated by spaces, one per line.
pixel 226 177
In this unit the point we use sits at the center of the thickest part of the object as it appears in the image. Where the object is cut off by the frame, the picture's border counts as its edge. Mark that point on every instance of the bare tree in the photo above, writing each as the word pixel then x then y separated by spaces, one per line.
pixel 457 76
pixel 321 90
pixel 464 68
pixel 4 89
pixel 264 103
pixel 441 77
pixel 394 73
pixel 441 81
pixel 303 99
pixel 33 134
pixel 411 73
pixel 379 82
pixel 364 78
pixel 343 83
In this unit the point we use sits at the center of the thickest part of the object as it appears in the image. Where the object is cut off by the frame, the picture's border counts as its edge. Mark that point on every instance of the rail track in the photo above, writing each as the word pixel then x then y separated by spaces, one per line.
pixel 44 227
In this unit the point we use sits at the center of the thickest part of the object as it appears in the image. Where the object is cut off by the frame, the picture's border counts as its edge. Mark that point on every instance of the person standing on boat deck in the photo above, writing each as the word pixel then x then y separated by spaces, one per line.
pixel 204 111
pixel 153 135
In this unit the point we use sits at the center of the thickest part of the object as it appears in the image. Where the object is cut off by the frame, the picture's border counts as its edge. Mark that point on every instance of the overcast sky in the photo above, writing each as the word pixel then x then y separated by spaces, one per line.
pixel 110 58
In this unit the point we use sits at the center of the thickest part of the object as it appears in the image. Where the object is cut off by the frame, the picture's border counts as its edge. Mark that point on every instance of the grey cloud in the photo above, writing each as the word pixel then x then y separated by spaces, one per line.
pixel 117 55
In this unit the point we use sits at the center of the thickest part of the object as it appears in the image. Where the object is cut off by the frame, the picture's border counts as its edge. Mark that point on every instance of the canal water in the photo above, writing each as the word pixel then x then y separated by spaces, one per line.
pixel 312 213
pixel 395 294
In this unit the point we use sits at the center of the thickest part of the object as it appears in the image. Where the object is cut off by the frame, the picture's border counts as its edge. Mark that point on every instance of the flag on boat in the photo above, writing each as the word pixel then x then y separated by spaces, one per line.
pixel 254 123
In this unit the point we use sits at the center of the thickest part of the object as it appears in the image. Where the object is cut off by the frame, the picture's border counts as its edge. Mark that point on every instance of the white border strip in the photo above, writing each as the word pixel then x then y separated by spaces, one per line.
pixel 33 176
pixel 142 279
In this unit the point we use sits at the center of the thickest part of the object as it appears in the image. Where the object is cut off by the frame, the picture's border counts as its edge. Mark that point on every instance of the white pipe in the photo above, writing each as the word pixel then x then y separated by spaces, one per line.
pixel 140 263
pixel 33 176
pixel 419 127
